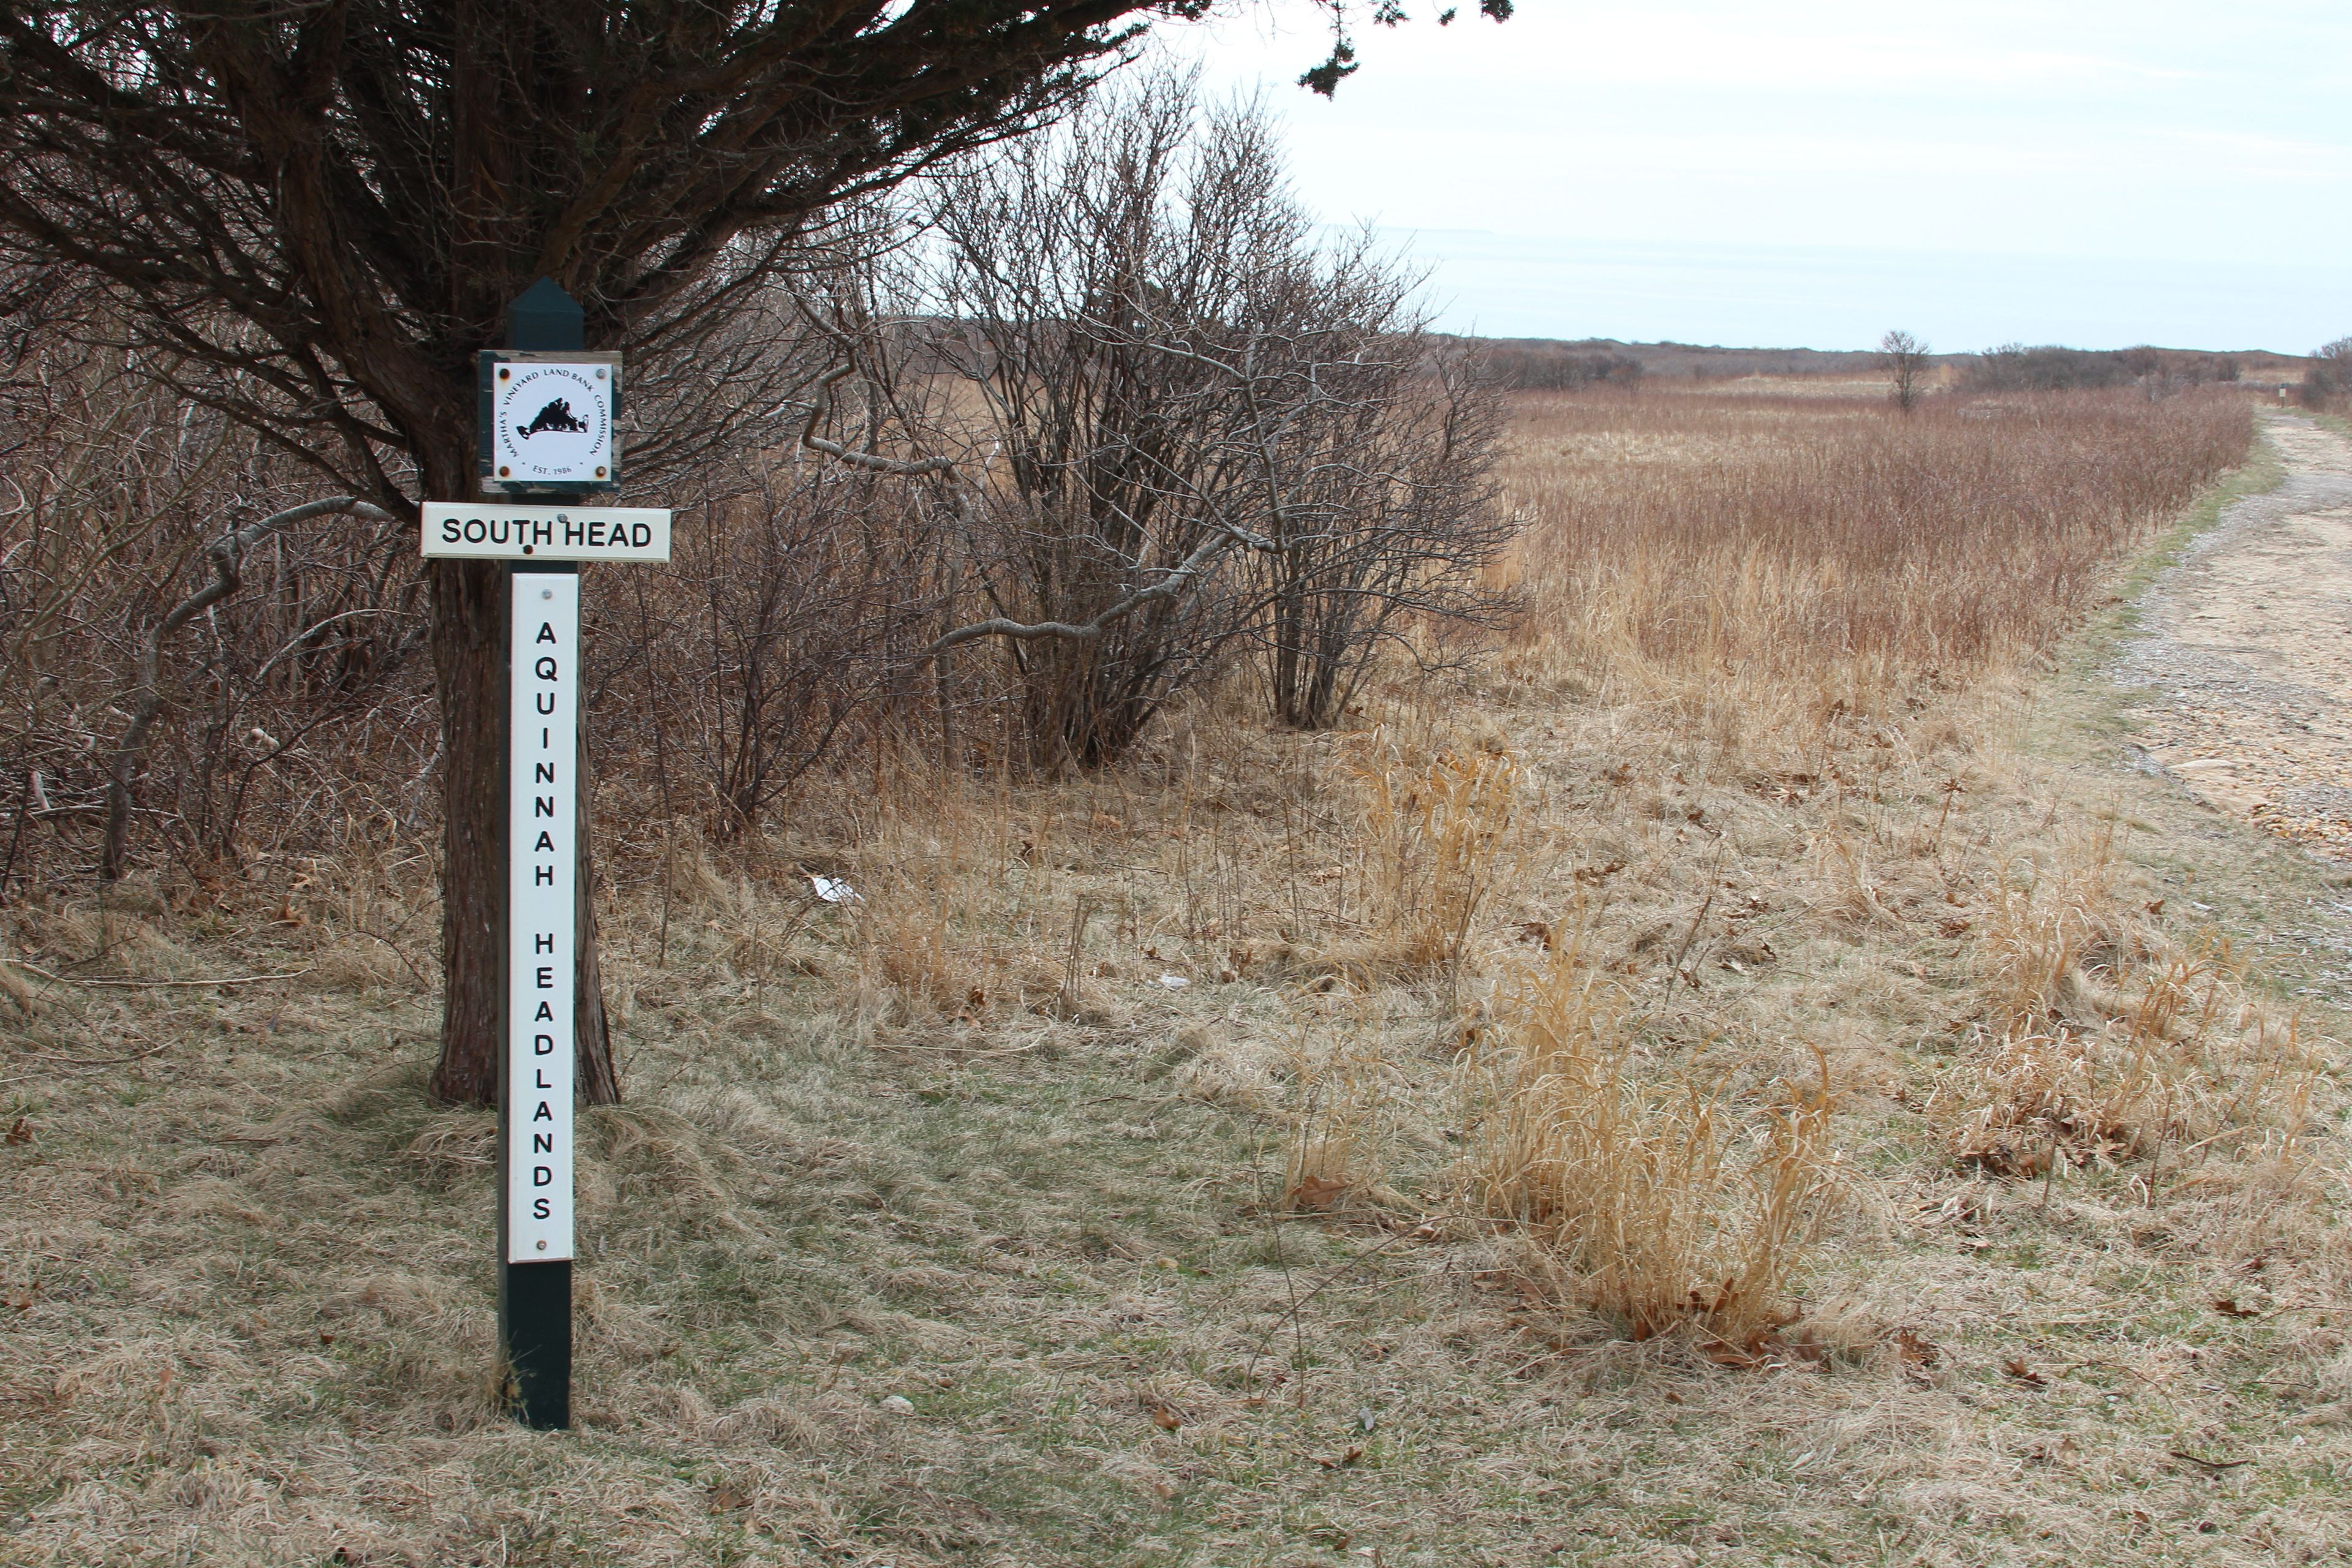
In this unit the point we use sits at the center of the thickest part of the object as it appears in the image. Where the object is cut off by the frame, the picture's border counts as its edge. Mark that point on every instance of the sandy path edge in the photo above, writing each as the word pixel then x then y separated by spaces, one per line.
pixel 2246 643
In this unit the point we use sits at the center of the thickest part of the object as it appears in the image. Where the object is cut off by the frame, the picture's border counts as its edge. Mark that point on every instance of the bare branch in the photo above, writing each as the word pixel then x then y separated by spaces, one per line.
pixel 226 554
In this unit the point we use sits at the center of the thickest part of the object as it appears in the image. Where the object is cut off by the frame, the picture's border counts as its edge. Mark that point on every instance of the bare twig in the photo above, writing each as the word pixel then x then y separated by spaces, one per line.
pixel 144 985
pixel 227 556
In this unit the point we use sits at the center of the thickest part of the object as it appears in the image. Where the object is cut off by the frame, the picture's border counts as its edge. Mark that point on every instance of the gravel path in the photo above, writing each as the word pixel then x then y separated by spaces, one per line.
pixel 2249 641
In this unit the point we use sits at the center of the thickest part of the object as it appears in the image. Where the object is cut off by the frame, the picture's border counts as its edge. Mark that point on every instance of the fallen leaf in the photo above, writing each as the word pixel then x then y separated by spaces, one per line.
pixel 2228 1306
pixel 726 1495
pixel 1316 1193
pixel 1164 1416
pixel 22 1133
pixel 1916 1352
pixel 2015 1366
pixel 1343 1461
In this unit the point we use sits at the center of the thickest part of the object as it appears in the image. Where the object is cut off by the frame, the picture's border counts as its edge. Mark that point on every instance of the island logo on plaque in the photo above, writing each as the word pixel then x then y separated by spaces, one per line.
pixel 547 422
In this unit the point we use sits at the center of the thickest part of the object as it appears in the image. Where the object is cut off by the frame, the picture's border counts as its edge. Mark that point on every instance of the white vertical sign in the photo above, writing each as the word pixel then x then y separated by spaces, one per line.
pixel 542 805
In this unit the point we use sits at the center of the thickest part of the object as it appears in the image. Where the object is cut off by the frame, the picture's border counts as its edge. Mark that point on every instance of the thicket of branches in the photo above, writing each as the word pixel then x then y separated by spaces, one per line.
pixel 1110 421
pixel 2015 367
pixel 2327 384
pixel 1171 425
pixel 1536 366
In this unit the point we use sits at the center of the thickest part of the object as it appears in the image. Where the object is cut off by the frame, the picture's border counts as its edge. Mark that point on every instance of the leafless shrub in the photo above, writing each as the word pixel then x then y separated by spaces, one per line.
pixel 122 495
pixel 793 606
pixel 1535 365
pixel 1151 368
pixel 1905 358
pixel 1379 509
pixel 2013 368
pixel 2329 379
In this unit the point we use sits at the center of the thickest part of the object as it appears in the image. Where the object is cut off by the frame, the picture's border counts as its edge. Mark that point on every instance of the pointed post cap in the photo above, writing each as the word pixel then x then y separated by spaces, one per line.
pixel 544 317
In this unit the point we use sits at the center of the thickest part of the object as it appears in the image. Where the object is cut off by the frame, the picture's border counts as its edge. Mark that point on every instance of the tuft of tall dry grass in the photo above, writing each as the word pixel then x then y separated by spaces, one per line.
pixel 1428 852
pixel 1651 1196
pixel 2102 1042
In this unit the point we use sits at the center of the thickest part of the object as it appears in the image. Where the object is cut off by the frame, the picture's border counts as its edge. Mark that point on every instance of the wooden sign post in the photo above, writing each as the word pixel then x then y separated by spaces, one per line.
pixel 548 429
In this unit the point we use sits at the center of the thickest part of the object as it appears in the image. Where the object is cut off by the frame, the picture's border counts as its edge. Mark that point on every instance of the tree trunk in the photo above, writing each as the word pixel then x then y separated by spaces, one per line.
pixel 470 680
pixel 469 661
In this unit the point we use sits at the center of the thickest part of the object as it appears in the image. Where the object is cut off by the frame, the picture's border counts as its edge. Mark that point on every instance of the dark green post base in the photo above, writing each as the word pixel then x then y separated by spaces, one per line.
pixel 535 1331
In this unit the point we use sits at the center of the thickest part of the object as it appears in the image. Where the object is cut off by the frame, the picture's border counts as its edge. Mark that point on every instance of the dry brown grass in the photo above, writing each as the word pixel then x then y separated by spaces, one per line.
pixel 1791 538
pixel 1426 854
pixel 1278 1151
pixel 1643 1189
pixel 2104 1041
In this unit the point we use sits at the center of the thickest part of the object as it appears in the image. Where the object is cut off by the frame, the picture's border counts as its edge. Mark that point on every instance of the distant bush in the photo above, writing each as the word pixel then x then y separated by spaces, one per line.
pixel 2328 381
pixel 1559 367
pixel 2013 368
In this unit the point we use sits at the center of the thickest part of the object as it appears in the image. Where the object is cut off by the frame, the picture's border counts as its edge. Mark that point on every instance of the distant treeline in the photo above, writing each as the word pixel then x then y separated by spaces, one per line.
pixel 2015 367
pixel 1554 367
pixel 1548 364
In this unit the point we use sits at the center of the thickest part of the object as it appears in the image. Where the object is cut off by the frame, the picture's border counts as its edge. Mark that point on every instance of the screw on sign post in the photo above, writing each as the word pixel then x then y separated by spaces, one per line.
pixel 548 413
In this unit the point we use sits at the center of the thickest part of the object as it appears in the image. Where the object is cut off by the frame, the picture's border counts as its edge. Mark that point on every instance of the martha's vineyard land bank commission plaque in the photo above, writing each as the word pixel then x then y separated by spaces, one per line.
pixel 548 421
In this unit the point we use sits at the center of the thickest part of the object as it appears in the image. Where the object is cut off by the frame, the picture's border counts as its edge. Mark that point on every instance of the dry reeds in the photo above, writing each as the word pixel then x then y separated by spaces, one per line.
pixel 1821 555
pixel 2106 1043
pixel 1654 1197
pixel 1427 855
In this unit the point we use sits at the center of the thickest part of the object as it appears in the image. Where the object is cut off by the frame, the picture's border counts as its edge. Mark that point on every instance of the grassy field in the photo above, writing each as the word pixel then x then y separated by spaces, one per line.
pixel 1742 1076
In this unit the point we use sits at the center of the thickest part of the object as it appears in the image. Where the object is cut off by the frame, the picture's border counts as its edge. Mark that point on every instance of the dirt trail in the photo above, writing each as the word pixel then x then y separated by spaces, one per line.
pixel 2249 642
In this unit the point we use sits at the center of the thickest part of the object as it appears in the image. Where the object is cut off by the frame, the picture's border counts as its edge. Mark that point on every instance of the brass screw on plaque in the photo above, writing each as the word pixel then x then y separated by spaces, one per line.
pixel 600 473
pixel 504 373
pixel 503 472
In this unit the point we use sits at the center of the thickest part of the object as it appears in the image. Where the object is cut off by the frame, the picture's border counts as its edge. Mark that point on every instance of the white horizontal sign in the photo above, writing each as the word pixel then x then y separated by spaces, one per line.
pixel 495 531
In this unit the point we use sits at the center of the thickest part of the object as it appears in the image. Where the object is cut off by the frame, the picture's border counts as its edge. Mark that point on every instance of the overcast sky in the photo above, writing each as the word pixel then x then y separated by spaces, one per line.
pixel 2091 172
